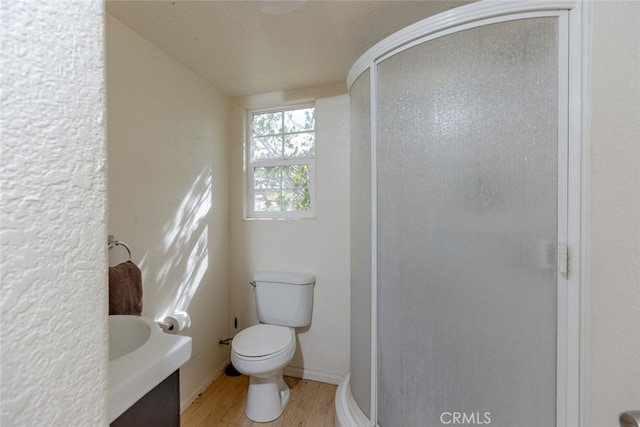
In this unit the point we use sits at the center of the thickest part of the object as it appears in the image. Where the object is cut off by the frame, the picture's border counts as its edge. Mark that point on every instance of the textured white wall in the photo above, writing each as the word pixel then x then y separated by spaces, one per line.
pixel 614 342
pixel 168 192
pixel 319 246
pixel 53 247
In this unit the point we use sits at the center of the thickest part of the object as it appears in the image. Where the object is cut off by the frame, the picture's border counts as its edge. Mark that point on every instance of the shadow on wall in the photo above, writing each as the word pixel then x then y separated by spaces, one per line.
pixel 182 257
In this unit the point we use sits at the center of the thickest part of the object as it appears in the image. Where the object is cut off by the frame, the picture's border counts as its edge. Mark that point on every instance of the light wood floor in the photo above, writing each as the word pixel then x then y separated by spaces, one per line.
pixel 223 404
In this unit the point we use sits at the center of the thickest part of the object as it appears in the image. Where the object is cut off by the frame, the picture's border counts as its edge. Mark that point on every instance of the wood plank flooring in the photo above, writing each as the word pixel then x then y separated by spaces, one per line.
pixel 223 404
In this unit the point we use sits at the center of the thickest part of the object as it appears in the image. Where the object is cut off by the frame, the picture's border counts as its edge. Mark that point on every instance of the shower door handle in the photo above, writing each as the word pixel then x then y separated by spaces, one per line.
pixel 563 258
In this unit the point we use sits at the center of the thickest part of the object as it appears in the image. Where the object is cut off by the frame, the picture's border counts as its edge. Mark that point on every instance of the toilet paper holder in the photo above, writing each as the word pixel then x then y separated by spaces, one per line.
pixel 175 322
pixel 165 325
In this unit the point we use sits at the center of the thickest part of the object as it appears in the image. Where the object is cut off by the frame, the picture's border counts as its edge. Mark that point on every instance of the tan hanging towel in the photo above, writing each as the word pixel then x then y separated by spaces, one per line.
pixel 125 289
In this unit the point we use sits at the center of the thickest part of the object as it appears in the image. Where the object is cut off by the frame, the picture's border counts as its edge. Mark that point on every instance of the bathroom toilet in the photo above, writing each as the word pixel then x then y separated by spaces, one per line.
pixel 284 301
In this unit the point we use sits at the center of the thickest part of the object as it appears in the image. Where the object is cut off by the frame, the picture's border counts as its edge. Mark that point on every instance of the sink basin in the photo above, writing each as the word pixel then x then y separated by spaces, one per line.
pixel 126 333
pixel 141 356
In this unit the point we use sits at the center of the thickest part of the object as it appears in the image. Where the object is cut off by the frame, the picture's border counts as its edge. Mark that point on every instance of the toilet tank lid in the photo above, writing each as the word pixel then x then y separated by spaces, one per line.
pixel 284 277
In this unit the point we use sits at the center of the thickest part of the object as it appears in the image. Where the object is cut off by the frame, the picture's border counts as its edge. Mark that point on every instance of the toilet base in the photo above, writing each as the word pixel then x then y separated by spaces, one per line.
pixel 267 398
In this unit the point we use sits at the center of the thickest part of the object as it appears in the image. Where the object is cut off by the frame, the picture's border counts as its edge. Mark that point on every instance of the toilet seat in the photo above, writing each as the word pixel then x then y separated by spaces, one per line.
pixel 263 341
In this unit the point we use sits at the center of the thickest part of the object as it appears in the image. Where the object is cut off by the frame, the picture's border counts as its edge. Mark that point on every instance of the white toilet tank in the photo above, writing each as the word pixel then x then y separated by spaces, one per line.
pixel 284 299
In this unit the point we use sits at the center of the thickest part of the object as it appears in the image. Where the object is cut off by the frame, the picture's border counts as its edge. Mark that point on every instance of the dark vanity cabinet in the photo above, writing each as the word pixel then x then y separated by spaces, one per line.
pixel 158 408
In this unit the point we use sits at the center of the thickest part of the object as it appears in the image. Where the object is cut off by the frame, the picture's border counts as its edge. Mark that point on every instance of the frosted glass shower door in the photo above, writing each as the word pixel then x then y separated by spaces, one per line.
pixel 467 207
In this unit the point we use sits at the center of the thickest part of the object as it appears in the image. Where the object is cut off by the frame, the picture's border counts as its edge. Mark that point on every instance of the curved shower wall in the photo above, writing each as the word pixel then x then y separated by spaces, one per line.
pixel 458 203
pixel 360 368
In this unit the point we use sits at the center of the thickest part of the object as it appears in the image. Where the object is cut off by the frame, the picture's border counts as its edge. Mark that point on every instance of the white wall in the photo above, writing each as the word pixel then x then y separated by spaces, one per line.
pixel 614 258
pixel 319 246
pixel 168 192
pixel 53 249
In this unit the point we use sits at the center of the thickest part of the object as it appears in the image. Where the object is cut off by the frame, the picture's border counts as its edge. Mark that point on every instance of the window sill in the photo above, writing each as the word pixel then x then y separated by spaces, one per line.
pixel 290 218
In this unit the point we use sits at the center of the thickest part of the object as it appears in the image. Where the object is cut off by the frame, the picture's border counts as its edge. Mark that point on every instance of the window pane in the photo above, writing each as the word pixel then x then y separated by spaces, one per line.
pixel 282 188
pixel 267 200
pixel 267 123
pixel 267 147
pixel 299 120
pixel 298 200
pixel 299 144
pixel 268 177
pixel 295 176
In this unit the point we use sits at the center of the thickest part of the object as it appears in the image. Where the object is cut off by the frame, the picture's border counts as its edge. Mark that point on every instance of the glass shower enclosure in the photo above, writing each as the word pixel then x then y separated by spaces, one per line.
pixel 459 217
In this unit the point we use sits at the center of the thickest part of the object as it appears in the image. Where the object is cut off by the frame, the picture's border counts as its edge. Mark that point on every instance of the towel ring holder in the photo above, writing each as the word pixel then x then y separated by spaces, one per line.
pixel 113 243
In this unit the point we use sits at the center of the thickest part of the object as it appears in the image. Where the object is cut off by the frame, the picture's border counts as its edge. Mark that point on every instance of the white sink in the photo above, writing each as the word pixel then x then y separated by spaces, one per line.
pixel 126 333
pixel 141 356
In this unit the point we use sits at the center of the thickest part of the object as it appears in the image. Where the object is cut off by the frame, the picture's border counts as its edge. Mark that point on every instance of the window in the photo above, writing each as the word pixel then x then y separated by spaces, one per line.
pixel 281 163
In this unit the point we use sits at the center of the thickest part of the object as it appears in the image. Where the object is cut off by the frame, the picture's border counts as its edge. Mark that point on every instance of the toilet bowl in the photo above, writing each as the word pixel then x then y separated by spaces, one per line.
pixel 261 352
pixel 284 301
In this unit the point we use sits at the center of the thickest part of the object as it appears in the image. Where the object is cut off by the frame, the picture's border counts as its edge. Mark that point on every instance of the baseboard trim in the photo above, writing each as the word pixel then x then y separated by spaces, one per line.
pixel 185 402
pixel 291 371
pixel 309 374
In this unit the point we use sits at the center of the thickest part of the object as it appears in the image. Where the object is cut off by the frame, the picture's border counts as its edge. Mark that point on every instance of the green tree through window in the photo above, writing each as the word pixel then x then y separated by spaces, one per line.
pixel 281 162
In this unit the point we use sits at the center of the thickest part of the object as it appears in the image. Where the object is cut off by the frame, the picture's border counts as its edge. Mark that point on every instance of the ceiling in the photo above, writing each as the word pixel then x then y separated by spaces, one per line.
pixel 242 50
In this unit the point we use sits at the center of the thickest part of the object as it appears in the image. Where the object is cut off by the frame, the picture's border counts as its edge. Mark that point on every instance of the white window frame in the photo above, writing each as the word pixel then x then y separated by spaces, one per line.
pixel 251 213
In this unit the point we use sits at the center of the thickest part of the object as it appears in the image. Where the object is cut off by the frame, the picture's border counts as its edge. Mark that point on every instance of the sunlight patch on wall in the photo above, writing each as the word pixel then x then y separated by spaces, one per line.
pixel 184 248
pixel 197 264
